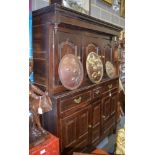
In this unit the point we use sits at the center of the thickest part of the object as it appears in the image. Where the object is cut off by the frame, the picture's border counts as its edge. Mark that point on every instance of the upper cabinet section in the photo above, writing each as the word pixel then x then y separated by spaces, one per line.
pixel 58 31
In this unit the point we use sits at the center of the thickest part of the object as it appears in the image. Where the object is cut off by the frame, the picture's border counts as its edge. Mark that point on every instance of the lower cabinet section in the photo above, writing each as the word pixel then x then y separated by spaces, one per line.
pixel 82 125
pixel 89 125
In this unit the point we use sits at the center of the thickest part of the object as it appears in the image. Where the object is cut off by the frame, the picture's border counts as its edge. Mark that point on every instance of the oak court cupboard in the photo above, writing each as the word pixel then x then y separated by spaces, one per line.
pixel 82 117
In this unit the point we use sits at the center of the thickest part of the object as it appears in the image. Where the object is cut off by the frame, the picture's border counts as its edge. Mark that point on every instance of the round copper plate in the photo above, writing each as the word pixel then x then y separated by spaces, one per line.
pixel 70 71
pixel 110 70
pixel 94 67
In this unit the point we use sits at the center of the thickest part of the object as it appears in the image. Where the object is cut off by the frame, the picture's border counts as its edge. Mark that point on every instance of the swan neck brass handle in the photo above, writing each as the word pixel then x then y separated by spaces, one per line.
pixel 97 92
pixel 110 86
pixel 78 100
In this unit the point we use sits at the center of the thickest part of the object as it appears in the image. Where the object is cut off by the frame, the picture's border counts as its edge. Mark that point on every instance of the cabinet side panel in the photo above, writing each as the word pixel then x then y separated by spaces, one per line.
pixel 40 55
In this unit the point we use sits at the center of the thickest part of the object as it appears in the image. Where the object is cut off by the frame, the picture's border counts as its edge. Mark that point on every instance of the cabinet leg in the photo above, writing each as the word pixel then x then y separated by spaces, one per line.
pixel 114 131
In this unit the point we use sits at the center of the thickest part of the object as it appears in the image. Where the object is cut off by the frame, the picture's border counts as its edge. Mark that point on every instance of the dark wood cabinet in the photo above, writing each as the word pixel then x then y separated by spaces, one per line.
pixel 81 118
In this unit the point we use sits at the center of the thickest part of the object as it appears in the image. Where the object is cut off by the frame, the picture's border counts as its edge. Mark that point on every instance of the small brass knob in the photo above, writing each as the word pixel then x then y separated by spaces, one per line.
pixel 110 94
pixel 89 126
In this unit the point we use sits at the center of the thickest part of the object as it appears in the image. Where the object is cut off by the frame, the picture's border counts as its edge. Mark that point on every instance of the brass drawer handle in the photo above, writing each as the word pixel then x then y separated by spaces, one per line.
pixel 103 116
pixel 78 100
pixel 110 86
pixel 97 92
pixel 89 126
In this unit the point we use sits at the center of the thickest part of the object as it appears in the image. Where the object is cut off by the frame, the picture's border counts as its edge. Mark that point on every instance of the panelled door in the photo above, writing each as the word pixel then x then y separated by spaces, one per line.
pixel 106 104
pixel 96 121
pixel 114 100
pixel 75 129
pixel 105 111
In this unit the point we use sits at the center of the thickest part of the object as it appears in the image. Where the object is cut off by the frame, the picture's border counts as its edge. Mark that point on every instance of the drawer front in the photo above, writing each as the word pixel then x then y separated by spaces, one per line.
pixel 70 102
pixel 111 84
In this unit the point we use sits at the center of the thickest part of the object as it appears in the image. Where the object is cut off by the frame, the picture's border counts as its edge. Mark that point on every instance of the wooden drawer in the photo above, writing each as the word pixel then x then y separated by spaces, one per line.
pixel 71 102
pixel 111 84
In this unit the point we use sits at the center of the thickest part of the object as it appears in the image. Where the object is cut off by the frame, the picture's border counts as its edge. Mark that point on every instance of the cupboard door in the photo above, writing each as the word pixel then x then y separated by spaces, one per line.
pixel 75 130
pixel 83 124
pixel 96 117
pixel 69 131
pixel 83 132
pixel 113 103
pixel 105 113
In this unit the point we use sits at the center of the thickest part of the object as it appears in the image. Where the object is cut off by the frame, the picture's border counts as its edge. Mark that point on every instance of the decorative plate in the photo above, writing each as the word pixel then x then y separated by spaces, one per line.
pixel 110 70
pixel 94 67
pixel 70 71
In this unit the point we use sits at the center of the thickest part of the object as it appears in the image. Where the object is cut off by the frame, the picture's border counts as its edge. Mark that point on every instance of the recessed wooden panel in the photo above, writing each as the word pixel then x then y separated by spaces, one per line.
pixel 66 42
pixel 91 48
pixel 39 38
pixel 96 134
pixel 108 53
pixel 108 125
pixel 67 48
pixel 83 124
pixel 82 144
pixel 113 103
pixel 40 71
pixel 96 112
pixel 69 131
pixel 106 107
